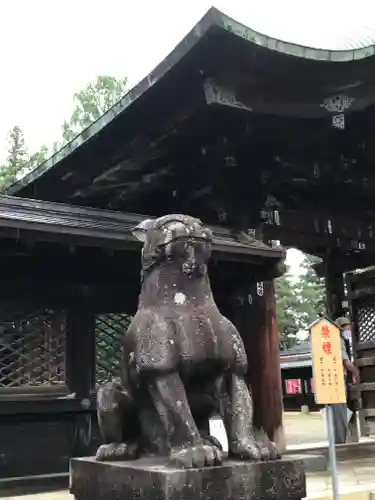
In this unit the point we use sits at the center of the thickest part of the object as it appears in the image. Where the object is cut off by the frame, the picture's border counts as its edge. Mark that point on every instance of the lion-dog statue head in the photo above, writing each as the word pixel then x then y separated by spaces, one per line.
pixel 178 238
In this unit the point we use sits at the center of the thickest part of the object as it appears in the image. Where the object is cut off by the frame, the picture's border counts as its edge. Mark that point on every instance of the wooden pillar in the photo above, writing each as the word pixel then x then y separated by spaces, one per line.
pixel 255 317
pixel 80 372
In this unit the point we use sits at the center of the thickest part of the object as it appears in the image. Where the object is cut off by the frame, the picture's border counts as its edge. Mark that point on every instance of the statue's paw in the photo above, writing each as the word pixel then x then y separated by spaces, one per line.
pixel 269 451
pixel 196 457
pixel 117 451
pixel 212 441
pixel 247 449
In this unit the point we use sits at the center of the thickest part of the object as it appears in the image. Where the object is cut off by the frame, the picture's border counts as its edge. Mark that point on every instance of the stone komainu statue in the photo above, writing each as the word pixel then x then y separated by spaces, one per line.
pixel 182 361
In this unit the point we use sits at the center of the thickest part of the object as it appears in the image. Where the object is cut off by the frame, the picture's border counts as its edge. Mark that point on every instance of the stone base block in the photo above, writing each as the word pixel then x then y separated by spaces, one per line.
pixel 152 479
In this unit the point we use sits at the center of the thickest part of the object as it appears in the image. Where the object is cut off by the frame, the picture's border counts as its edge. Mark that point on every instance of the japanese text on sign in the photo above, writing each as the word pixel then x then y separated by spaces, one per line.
pixel 327 363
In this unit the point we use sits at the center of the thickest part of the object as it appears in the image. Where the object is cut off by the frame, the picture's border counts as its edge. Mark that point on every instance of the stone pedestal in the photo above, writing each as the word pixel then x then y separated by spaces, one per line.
pixel 151 479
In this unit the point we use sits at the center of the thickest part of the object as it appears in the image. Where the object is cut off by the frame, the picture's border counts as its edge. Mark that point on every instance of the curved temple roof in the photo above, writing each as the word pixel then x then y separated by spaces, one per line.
pixel 213 47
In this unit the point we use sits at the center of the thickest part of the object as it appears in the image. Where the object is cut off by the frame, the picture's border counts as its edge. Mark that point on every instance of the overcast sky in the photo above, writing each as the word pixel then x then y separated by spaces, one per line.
pixel 50 48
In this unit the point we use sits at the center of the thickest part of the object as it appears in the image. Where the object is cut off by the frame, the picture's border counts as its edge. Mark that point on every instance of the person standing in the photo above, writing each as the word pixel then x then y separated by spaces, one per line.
pixel 340 411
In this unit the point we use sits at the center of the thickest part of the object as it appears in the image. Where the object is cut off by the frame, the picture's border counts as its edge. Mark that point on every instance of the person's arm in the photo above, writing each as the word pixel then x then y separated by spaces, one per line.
pixel 348 365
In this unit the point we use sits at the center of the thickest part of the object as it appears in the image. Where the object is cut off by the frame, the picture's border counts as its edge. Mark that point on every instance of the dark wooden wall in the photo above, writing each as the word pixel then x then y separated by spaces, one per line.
pixel 40 437
pixel 42 426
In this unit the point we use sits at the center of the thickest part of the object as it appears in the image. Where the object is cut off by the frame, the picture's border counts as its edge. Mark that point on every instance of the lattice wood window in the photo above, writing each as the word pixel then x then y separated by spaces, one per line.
pixel 32 345
pixel 365 316
pixel 109 333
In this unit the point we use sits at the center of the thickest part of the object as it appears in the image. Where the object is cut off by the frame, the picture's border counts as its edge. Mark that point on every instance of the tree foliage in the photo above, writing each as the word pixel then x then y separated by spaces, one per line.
pixel 299 301
pixel 19 161
pixel 37 158
pixel 312 290
pixel 17 156
pixel 91 103
pixel 286 307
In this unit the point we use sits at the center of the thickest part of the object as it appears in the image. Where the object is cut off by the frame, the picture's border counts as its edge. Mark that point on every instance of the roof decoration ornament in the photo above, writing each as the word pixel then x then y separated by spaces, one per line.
pixel 338 121
pixel 337 104
pixel 260 289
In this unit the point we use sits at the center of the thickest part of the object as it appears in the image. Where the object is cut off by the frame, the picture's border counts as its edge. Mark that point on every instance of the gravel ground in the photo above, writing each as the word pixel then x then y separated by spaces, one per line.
pixel 300 429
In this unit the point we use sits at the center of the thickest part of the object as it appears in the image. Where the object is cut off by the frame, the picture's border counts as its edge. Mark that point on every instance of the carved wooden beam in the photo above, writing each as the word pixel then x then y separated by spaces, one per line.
pixel 347 263
pixel 347 233
pixel 344 172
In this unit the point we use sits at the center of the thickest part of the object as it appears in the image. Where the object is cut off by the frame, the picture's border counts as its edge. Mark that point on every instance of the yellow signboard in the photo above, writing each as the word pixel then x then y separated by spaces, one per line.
pixel 328 370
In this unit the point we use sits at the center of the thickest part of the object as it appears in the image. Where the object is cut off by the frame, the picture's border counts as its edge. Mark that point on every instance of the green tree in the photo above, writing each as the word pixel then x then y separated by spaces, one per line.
pixel 19 162
pixel 287 306
pixel 91 103
pixel 37 158
pixel 311 290
pixel 299 301
pixel 16 160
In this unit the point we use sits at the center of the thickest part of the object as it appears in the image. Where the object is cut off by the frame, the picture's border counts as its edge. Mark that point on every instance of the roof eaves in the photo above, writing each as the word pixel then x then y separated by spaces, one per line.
pixel 58 217
pixel 212 18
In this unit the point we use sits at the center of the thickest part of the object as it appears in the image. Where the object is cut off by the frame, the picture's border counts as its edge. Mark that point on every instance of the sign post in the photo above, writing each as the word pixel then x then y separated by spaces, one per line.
pixel 329 382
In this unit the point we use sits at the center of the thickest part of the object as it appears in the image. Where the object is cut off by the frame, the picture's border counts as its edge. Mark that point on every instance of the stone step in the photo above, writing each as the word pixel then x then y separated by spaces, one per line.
pixel 344 452
pixel 313 462
pixel 27 485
